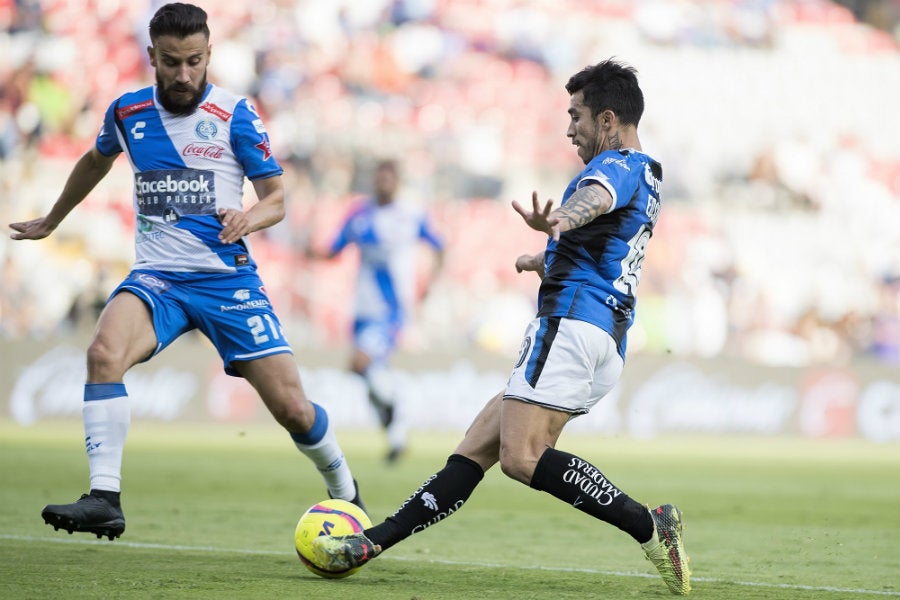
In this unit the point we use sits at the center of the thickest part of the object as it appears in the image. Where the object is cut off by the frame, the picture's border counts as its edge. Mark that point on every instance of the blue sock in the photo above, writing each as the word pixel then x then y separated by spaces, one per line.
pixel 316 432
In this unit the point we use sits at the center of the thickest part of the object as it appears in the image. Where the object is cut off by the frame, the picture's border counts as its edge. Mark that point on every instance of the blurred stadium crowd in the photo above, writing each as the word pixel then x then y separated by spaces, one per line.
pixel 774 120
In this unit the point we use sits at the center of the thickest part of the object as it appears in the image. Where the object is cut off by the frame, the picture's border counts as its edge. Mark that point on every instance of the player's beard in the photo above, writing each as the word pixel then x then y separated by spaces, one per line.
pixel 166 96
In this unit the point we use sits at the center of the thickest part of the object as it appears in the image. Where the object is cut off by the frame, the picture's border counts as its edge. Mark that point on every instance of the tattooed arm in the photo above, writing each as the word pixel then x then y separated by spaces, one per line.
pixel 583 206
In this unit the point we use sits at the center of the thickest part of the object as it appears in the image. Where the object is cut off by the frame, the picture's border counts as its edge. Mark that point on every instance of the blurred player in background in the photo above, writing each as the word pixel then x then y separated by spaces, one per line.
pixel 190 145
pixel 387 234
pixel 574 350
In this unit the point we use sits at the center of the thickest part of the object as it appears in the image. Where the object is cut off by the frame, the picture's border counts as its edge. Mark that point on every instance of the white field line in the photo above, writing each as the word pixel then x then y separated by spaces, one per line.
pixel 213 549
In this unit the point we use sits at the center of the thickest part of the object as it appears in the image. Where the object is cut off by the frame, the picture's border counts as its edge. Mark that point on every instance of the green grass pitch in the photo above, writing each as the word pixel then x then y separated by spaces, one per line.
pixel 211 511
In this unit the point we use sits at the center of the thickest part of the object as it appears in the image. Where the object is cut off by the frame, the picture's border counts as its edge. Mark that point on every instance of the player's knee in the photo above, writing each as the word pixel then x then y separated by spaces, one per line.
pixel 294 415
pixel 105 362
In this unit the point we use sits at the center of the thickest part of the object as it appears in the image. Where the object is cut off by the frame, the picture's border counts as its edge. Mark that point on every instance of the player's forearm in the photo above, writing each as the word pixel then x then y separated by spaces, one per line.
pixel 265 213
pixel 87 173
pixel 270 209
pixel 582 207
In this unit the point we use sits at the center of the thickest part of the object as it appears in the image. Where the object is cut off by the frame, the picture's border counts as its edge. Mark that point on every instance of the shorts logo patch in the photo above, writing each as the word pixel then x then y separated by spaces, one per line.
pixel 523 351
pixel 241 295
pixel 154 283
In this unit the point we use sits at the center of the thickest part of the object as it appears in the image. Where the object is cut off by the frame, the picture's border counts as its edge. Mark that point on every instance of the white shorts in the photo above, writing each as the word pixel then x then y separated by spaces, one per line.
pixel 564 365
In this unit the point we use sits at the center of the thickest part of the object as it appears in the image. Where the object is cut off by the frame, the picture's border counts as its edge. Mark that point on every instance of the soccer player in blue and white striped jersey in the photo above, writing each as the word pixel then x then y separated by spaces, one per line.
pixel 388 233
pixel 190 144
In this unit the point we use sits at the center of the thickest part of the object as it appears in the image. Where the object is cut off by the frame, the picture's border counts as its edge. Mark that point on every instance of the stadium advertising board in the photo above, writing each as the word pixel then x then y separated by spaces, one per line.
pixel 656 396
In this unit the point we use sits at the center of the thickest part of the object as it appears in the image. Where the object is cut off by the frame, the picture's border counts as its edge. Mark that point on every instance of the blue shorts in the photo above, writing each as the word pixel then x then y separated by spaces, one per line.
pixel 378 339
pixel 231 309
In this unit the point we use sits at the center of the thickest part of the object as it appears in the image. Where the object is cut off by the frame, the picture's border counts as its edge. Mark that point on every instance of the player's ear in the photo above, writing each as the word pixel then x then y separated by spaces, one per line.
pixel 152 55
pixel 607 119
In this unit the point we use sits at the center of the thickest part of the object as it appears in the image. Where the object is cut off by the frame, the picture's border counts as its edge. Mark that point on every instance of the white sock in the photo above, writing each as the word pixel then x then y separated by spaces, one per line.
pixel 381 383
pixel 107 415
pixel 653 542
pixel 329 459
pixel 398 430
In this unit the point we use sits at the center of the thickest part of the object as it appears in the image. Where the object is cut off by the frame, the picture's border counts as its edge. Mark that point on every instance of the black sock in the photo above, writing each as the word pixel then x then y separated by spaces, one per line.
pixel 111 497
pixel 582 485
pixel 440 496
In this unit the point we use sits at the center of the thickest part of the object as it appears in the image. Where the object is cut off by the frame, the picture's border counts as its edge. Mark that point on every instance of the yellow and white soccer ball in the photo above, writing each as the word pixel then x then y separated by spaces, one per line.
pixel 328 517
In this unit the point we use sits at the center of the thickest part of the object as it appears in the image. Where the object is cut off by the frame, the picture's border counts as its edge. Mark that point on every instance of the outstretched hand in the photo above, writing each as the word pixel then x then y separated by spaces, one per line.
pixel 539 218
pixel 35 229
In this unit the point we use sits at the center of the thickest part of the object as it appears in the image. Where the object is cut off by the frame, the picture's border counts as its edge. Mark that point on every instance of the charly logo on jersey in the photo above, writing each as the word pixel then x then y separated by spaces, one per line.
pixel 137 131
pixel 171 193
pixel 206 130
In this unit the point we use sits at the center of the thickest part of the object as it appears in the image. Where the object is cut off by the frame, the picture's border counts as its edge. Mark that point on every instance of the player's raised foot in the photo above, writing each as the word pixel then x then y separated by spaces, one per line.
pixel 667 552
pixel 357 500
pixel 343 552
pixel 91 514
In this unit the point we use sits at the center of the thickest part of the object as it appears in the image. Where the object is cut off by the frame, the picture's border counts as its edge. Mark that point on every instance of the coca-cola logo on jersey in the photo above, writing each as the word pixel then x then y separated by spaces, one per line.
pixel 203 150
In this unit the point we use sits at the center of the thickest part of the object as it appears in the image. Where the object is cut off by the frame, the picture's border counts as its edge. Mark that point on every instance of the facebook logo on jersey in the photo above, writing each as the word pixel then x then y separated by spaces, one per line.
pixel 172 192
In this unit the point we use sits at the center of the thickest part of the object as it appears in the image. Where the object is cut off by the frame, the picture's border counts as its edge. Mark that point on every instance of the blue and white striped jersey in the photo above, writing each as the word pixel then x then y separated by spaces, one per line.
pixel 387 237
pixel 186 167
pixel 592 272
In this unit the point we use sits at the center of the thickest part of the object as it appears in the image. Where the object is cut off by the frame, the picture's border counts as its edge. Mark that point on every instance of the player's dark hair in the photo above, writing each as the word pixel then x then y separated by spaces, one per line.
pixel 179 20
pixel 390 164
pixel 610 85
